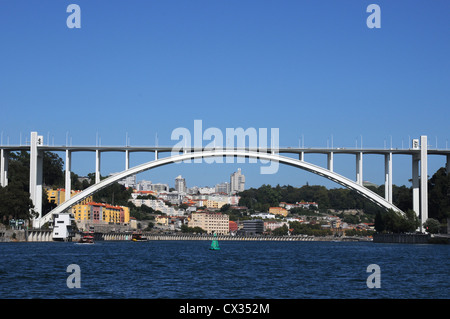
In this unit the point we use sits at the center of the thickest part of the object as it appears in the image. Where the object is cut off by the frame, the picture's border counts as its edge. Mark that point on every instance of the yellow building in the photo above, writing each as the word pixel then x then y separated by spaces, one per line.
pixel 88 210
pixel 58 196
pixel 210 222
pixel 99 212
pixel 115 214
pixel 162 220
pixel 214 204
pixel 81 212
pixel 278 211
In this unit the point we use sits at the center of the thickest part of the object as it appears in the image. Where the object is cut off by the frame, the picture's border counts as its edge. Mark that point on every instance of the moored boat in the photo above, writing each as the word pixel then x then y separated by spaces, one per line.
pixel 87 237
pixel 138 237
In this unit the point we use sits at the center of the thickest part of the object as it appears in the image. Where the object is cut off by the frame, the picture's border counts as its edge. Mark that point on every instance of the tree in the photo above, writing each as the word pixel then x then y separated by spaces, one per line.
pixel 149 227
pixel 225 208
pixel 53 173
pixel 15 203
pixel 115 194
pixel 280 231
pixel 439 195
pixel 187 229
pixel 52 169
pixel 432 226
pixel 392 221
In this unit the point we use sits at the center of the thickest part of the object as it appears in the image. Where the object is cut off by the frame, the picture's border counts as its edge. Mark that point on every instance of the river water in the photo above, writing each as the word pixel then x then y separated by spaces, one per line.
pixel 239 270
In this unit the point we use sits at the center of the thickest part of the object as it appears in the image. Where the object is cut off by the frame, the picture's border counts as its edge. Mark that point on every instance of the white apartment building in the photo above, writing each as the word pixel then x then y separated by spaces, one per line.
pixel 129 181
pixel 223 188
pixel 62 226
pixel 159 188
pixel 207 190
pixel 180 184
pixel 158 204
pixel 211 222
pixel 144 186
pixel 237 182
pixel 275 225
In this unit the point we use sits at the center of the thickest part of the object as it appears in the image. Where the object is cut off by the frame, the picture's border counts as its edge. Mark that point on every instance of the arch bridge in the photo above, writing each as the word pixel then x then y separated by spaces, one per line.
pixel 419 154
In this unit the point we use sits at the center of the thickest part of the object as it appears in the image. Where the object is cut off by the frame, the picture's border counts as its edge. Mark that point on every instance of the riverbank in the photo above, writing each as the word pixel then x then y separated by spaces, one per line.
pixel 228 237
pixel 46 236
pixel 12 235
pixel 411 239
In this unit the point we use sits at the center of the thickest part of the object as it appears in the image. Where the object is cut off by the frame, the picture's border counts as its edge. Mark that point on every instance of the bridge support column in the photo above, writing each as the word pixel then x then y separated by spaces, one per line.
pixel 423 180
pixel 415 185
pixel 301 156
pixel 127 159
pixel 36 161
pixel 359 168
pixel 4 159
pixel 97 166
pixel 68 181
pixel 447 166
pixel 330 161
pixel 156 155
pixel 388 177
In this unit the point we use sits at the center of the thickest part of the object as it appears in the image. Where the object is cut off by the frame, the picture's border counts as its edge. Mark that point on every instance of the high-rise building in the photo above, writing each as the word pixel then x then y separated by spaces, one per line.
pixel 223 188
pixel 237 182
pixel 129 181
pixel 144 185
pixel 180 184
pixel 159 188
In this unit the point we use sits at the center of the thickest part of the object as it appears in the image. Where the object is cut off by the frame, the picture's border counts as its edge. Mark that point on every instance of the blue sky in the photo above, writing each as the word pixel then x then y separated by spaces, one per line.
pixel 313 69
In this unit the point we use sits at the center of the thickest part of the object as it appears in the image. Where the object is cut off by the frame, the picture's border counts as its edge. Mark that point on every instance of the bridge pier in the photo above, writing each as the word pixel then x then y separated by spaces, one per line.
pixel 359 168
pixel 423 180
pixel 36 166
pixel 4 158
pixel 415 184
pixel 388 177
pixel 127 159
pixel 447 166
pixel 330 161
pixel 97 166
pixel 68 181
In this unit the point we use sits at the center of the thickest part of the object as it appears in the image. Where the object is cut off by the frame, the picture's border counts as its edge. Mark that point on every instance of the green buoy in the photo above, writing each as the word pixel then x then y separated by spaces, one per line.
pixel 214 243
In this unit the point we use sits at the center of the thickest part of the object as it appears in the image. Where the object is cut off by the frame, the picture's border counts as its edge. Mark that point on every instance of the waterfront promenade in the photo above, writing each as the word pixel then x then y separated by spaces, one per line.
pixel 229 237
pixel 46 236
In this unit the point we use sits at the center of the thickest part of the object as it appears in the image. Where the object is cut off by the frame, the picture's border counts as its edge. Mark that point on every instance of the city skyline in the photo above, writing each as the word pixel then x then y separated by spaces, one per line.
pixel 132 74
pixel 180 185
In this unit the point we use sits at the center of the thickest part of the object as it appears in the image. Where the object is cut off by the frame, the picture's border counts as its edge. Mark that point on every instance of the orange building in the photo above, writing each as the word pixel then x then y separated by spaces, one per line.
pixel 58 196
pixel 233 226
pixel 278 211
pixel 99 212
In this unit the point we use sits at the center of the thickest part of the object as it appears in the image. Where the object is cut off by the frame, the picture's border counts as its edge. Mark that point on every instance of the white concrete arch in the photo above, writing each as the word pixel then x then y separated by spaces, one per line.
pixel 344 181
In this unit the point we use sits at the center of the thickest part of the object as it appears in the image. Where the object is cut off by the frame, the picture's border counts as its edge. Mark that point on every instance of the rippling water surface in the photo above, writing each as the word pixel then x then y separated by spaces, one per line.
pixel 187 269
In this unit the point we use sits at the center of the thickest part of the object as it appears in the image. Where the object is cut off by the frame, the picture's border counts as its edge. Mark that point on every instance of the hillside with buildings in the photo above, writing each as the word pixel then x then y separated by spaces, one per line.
pixel 225 208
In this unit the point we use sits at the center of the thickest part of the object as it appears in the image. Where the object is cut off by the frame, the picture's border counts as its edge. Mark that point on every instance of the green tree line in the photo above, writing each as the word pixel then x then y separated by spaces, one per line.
pixel 260 199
